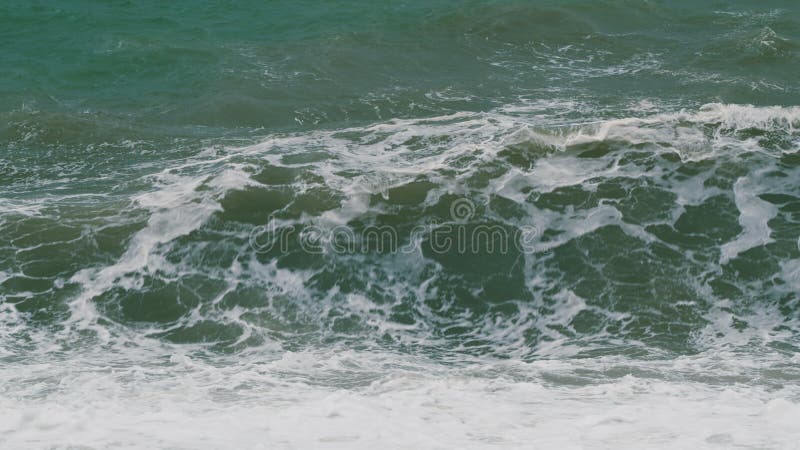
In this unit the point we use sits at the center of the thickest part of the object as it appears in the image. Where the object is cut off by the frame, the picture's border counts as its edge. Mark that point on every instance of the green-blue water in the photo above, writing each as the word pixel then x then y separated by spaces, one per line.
pixel 246 185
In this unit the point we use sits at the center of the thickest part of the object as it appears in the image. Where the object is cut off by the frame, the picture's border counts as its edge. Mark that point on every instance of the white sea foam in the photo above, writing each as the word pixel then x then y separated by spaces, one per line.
pixel 139 392
pixel 177 207
pixel 754 216
pixel 294 402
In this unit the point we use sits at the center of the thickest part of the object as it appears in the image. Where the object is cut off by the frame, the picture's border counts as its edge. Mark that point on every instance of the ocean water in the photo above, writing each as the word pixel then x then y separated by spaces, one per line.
pixel 415 224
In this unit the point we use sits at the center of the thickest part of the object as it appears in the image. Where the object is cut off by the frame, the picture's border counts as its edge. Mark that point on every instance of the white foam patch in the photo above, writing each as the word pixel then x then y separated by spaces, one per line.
pixel 385 154
pixel 298 401
pixel 726 329
pixel 790 272
pixel 754 217
pixel 9 206
pixel 11 323
pixel 742 117
pixel 177 207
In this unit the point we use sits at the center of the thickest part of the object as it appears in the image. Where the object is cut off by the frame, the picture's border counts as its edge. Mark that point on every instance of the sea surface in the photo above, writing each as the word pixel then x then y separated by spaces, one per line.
pixel 422 224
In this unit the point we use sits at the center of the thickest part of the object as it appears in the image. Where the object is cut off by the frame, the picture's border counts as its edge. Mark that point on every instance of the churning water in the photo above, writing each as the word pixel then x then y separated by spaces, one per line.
pixel 424 224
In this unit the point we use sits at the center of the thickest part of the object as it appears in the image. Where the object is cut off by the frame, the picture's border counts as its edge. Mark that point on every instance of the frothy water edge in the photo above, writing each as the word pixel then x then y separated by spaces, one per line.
pixel 125 386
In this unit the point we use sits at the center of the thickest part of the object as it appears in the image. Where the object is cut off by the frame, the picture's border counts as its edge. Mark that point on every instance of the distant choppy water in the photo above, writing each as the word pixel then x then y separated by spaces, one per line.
pixel 219 224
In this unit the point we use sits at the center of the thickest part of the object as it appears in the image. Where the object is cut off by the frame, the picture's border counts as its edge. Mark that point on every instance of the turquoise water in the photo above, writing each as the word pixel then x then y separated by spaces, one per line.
pixel 429 224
